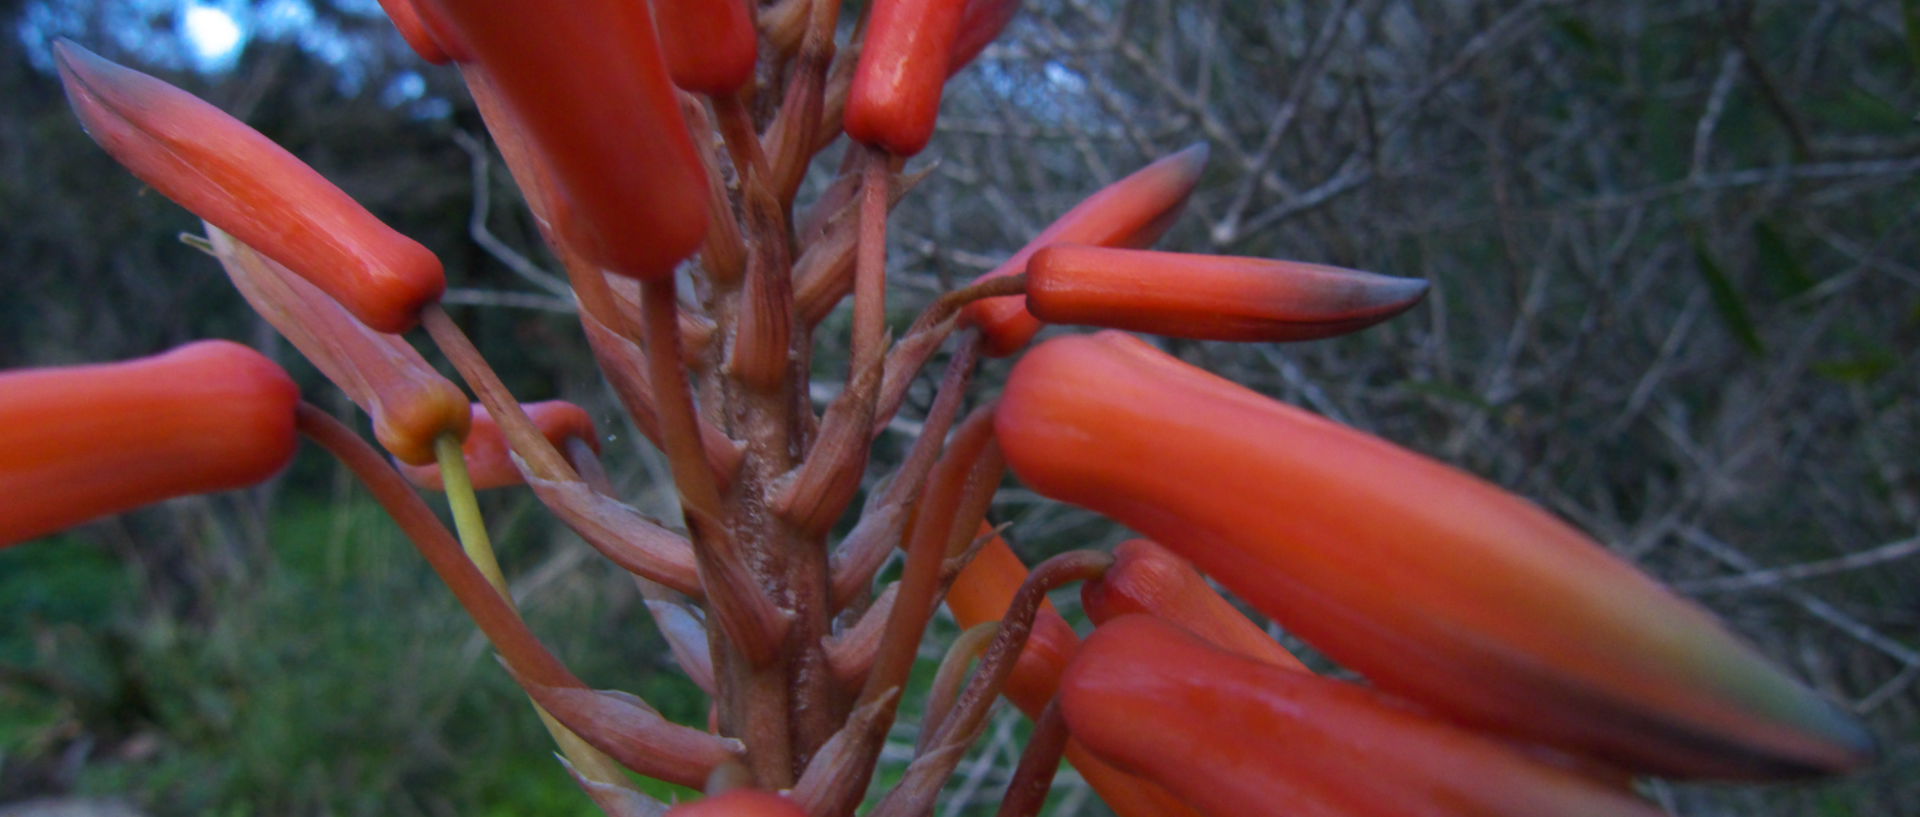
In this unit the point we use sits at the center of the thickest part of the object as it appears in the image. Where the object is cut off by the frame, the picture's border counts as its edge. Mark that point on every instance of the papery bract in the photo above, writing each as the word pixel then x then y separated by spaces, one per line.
pixel 1432 583
pixel 710 45
pixel 1238 737
pixel 895 97
pixel 1209 297
pixel 490 458
pixel 1151 580
pixel 589 88
pixel 1132 212
pixel 86 441
pixel 410 403
pixel 237 179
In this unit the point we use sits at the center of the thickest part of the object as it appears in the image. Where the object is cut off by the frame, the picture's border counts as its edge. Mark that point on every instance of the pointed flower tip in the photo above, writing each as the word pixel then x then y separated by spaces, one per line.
pixel 1193 157
pixel 1210 297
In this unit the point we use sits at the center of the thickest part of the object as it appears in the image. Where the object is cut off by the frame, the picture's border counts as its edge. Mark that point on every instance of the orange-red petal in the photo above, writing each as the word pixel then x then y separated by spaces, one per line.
pixel 1210 297
pixel 895 96
pixel 490 458
pixel 410 403
pixel 1132 212
pixel 87 441
pixel 1434 584
pixel 1239 737
pixel 239 180
pixel 590 91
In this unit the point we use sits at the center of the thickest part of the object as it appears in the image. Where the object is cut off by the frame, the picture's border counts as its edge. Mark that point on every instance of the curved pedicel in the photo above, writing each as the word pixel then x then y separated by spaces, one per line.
pixel 240 181
pixel 79 442
pixel 981 593
pixel 1434 584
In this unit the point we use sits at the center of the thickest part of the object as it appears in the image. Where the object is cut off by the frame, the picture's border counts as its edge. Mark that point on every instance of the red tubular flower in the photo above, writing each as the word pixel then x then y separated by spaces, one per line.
pixel 739 803
pixel 230 175
pixel 979 25
pixel 710 45
pixel 1133 212
pixel 87 441
pixel 1149 579
pixel 411 404
pixel 490 459
pixel 1210 297
pixel 895 96
pixel 590 90
pixel 412 29
pixel 1434 584
pixel 980 594
pixel 1238 737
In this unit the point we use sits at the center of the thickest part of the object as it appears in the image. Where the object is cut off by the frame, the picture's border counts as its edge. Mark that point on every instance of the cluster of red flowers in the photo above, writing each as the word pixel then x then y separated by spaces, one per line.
pixel 1515 666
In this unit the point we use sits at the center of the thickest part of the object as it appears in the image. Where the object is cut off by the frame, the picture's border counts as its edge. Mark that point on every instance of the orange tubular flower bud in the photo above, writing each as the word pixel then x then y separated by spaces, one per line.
pixel 1236 737
pixel 412 29
pixel 981 593
pixel 87 441
pixel 895 96
pixel 411 404
pixel 1434 584
pixel 1147 578
pixel 490 458
pixel 979 25
pixel 590 90
pixel 230 175
pixel 739 803
pixel 1210 297
pixel 1133 212
pixel 710 45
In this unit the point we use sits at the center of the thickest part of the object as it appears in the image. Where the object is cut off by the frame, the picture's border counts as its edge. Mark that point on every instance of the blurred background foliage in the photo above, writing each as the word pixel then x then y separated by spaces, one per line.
pixel 1676 297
